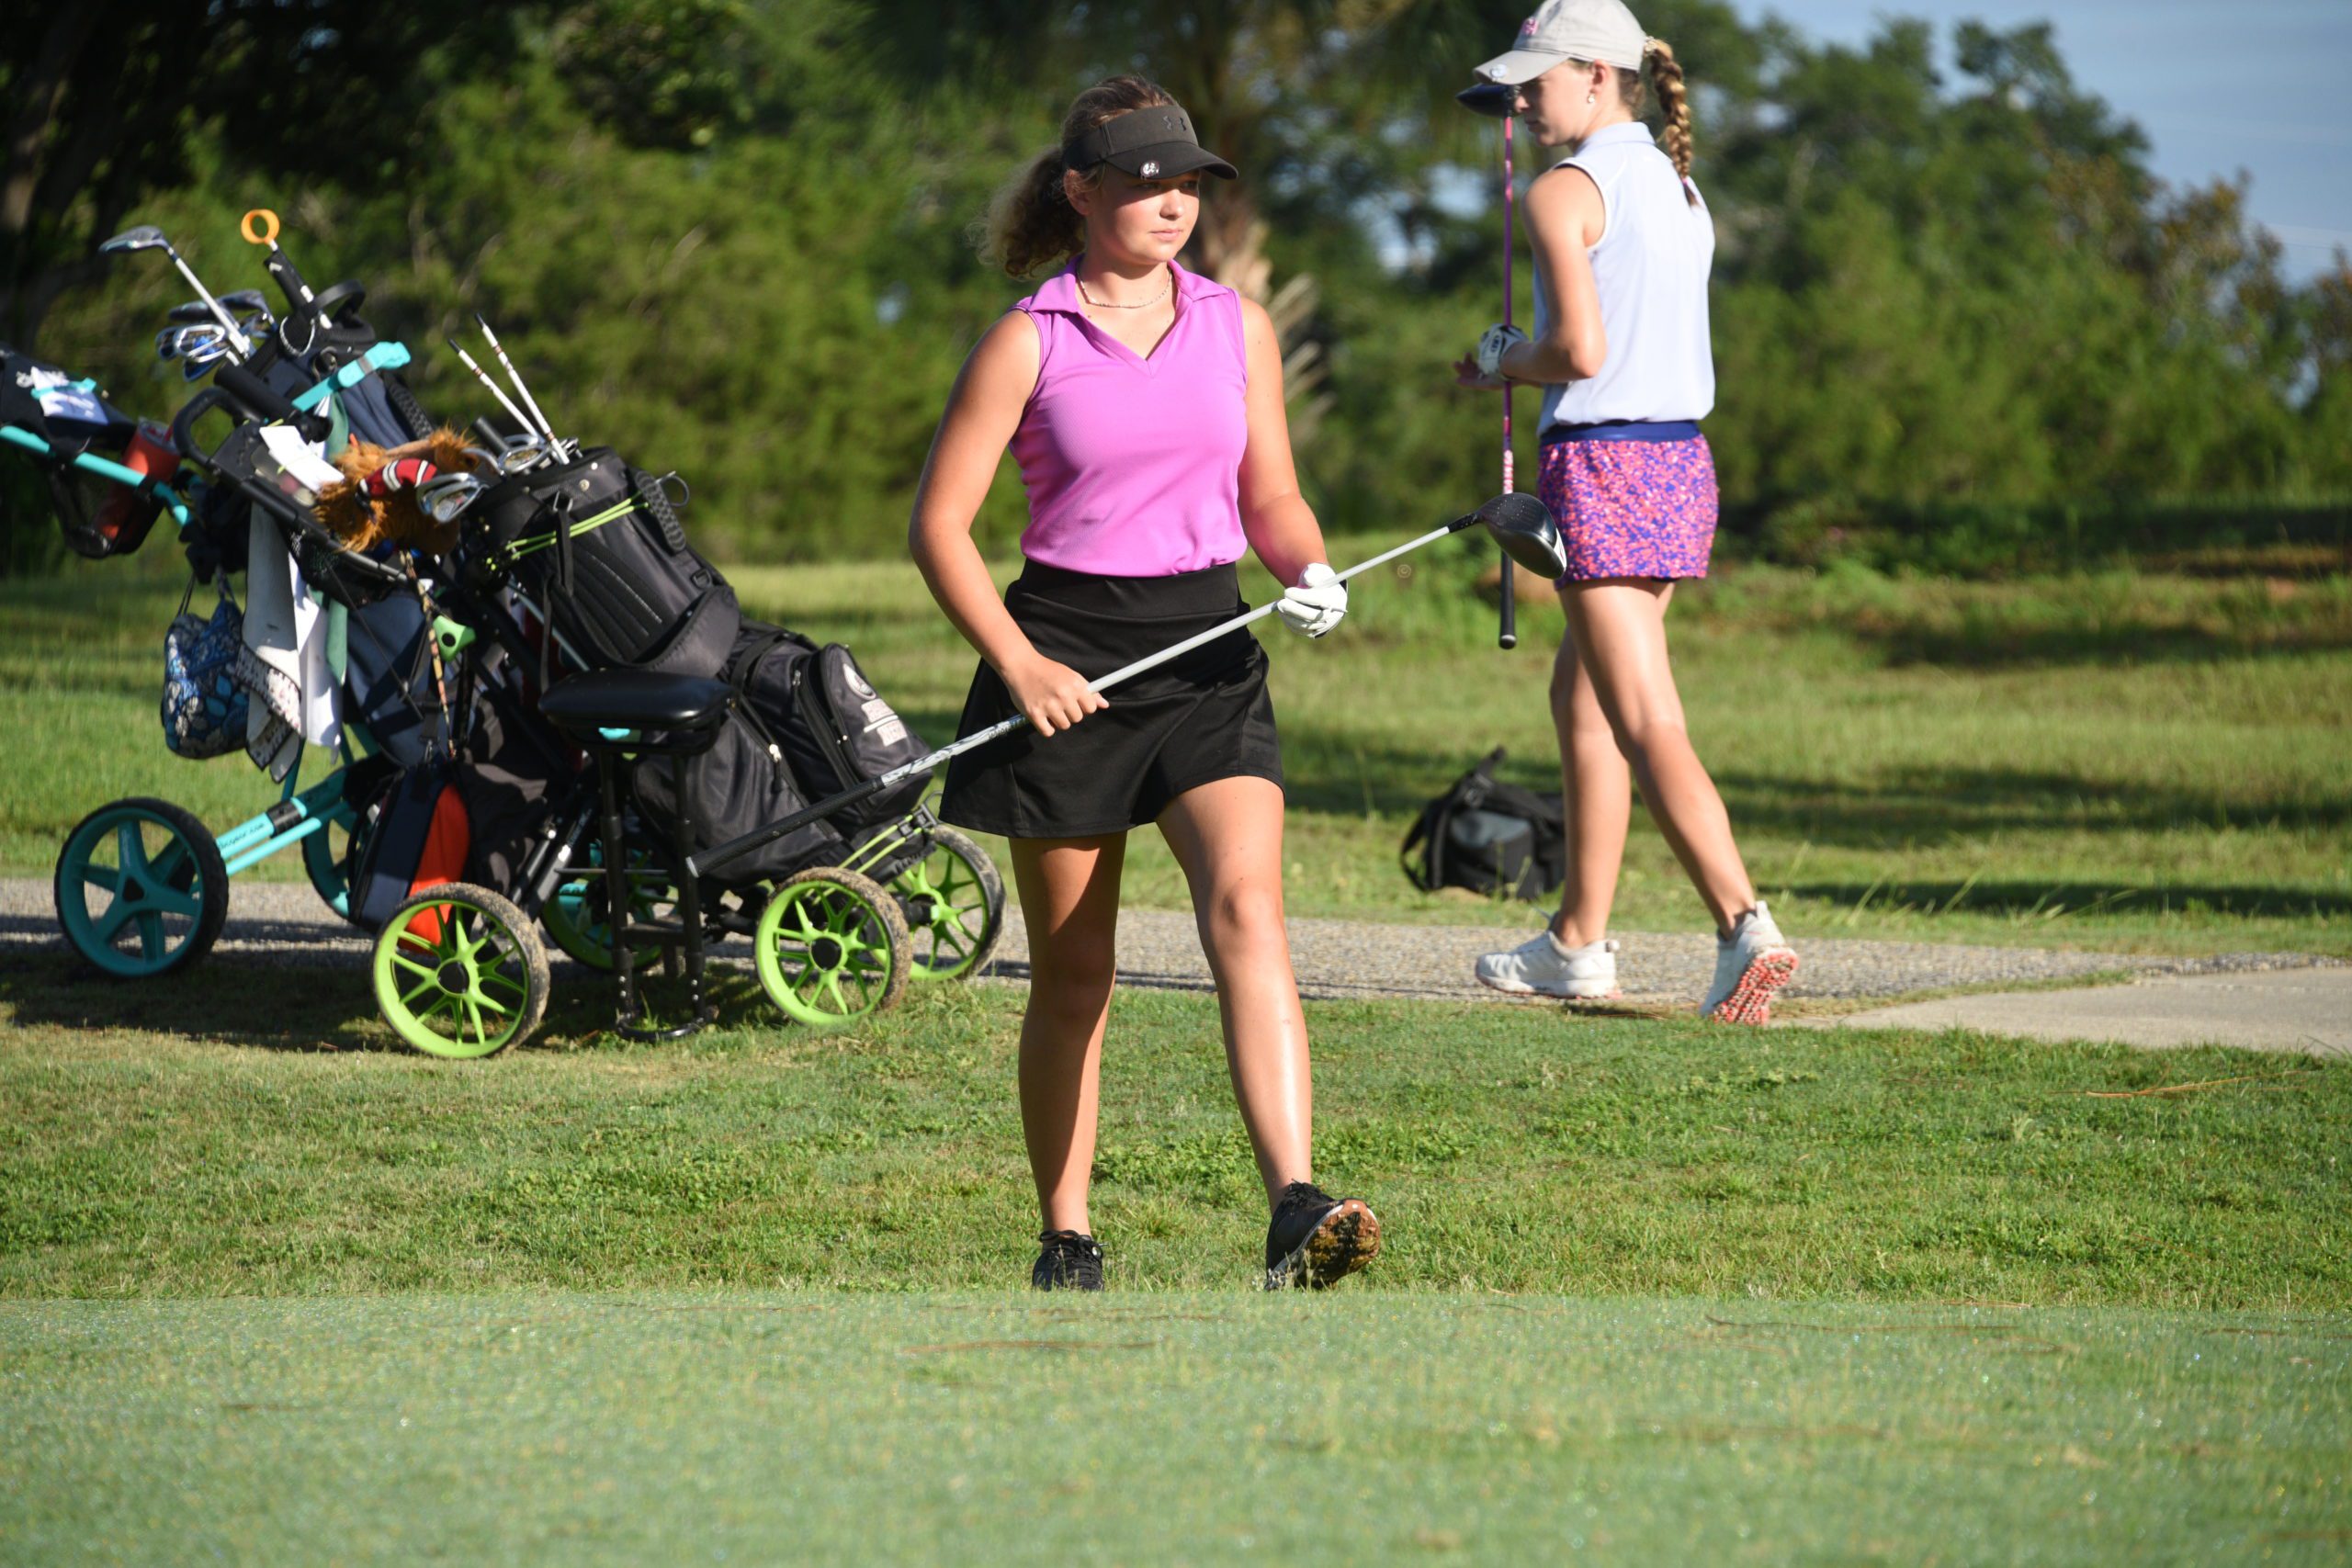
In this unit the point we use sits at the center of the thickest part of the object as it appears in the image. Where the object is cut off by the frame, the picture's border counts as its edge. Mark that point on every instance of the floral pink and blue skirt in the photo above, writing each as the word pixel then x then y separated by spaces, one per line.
pixel 1629 503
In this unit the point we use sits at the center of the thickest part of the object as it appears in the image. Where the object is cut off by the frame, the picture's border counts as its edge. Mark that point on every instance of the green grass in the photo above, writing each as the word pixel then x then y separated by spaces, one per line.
pixel 815 1427
pixel 178 1141
pixel 2150 762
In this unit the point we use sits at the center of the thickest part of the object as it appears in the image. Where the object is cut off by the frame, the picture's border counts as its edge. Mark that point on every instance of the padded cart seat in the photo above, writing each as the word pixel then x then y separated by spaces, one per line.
pixel 636 699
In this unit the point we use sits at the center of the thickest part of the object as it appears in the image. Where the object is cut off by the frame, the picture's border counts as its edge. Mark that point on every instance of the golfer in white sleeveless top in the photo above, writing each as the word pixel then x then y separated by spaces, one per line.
pixel 1622 246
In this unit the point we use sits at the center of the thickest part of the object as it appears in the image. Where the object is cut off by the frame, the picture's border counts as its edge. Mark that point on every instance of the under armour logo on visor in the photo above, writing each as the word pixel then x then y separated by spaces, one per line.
pixel 1151 168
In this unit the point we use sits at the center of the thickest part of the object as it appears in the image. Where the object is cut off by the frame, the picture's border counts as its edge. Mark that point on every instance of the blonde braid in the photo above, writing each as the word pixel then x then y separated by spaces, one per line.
pixel 1666 80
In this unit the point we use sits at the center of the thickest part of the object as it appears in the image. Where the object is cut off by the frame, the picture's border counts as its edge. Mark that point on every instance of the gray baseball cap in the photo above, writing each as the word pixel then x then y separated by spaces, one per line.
pixel 1599 31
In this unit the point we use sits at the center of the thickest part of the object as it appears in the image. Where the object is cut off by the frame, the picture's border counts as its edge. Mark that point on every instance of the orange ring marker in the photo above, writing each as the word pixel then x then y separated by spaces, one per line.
pixel 264 232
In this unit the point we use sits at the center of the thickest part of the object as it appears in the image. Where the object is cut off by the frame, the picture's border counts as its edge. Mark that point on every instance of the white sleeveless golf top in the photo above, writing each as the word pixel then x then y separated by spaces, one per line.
pixel 1651 267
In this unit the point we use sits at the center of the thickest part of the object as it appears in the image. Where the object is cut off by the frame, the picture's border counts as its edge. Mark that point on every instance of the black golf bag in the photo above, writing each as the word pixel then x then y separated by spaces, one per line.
pixel 597 545
pixel 319 337
pixel 807 723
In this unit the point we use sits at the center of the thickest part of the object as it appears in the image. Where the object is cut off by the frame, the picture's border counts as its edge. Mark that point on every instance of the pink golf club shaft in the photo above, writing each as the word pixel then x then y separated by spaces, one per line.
pixel 1508 633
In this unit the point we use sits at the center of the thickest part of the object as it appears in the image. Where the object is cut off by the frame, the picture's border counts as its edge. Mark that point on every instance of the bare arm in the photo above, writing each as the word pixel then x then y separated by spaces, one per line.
pixel 983 411
pixel 1565 219
pixel 1275 518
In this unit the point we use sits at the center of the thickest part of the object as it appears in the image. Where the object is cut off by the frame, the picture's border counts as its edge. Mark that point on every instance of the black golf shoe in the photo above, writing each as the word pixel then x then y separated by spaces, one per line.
pixel 1317 1240
pixel 1071 1260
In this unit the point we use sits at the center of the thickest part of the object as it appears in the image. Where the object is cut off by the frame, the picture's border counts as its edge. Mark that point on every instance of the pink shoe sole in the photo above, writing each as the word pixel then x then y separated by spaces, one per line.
pixel 1751 1000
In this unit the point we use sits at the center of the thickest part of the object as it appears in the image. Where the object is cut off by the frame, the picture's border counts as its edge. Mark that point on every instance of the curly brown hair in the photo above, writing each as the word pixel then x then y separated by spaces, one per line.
pixel 1031 224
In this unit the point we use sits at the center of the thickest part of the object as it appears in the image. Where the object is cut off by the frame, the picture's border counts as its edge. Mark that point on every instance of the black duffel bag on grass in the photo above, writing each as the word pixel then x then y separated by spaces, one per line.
pixel 1489 837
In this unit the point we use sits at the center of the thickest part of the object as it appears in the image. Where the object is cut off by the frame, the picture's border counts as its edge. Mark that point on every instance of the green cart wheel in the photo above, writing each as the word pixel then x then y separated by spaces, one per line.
pixel 140 888
pixel 831 947
pixel 574 915
pixel 954 900
pixel 459 972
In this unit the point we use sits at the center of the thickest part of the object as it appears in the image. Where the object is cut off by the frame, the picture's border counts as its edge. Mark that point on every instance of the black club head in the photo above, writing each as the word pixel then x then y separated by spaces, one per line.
pixel 1524 527
pixel 1497 100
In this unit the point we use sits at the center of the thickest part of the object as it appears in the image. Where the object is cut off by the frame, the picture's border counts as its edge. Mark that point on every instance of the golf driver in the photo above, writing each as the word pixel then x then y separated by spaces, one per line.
pixel 1522 524
pixel 1499 100
pixel 554 441
pixel 147 237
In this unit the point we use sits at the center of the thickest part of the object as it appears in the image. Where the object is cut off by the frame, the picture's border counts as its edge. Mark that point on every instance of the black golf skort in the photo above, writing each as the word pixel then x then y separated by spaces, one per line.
pixel 1201 717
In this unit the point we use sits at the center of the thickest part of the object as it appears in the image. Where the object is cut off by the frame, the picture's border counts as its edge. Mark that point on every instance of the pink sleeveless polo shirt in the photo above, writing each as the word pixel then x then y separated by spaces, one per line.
pixel 1133 465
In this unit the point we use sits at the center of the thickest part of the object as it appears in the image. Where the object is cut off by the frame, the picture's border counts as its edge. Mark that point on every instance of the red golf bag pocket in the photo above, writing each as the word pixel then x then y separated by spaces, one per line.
pixel 414 835
pixel 119 524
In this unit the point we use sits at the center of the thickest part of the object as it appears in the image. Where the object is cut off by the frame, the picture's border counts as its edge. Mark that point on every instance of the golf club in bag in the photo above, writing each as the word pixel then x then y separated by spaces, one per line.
pixel 1498 99
pixel 1522 524
pixel 147 237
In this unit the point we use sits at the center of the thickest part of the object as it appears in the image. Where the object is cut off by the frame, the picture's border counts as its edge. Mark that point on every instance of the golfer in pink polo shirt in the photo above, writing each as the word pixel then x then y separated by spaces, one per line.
pixel 1143 405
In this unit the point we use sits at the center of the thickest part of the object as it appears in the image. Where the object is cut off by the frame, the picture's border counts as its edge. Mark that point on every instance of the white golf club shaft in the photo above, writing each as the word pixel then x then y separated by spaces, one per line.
pixel 237 339
pixel 515 376
pixel 721 853
pixel 483 377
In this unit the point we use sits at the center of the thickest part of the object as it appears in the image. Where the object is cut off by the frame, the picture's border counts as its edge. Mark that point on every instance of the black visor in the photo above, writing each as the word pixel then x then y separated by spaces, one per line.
pixel 1151 144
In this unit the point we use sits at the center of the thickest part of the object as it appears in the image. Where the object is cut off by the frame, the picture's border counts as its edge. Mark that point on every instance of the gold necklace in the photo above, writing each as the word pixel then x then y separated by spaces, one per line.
pixel 1113 305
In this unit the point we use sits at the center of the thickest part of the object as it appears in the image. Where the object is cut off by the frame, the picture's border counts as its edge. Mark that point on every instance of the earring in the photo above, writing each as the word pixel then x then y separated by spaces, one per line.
pixel 1589 99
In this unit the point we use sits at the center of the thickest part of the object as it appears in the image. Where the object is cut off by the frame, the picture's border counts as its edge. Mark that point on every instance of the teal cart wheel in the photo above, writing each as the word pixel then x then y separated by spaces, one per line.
pixel 954 900
pixel 575 912
pixel 831 947
pixel 459 972
pixel 325 855
pixel 140 888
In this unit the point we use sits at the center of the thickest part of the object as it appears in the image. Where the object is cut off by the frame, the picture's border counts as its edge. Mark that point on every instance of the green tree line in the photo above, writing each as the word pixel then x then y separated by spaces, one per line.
pixel 731 238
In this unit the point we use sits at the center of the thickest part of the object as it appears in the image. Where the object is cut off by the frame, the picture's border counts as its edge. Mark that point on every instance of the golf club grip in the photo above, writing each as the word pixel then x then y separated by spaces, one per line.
pixel 298 296
pixel 265 401
pixel 1508 637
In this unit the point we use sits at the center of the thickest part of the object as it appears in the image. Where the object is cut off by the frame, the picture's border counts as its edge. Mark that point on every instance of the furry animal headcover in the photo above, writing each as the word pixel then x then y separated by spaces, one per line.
pixel 375 502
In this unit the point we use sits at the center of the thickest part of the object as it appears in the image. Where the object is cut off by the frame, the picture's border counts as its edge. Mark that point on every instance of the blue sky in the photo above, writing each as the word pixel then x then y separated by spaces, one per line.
pixel 2259 85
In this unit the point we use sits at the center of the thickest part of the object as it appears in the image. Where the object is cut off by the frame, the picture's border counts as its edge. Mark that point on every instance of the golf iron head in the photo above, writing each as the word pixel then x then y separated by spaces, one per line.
pixel 1494 99
pixel 146 237
pixel 1525 529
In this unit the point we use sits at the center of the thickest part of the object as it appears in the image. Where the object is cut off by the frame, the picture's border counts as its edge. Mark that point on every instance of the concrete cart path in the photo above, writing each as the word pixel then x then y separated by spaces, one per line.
pixel 2297 1011
pixel 282 925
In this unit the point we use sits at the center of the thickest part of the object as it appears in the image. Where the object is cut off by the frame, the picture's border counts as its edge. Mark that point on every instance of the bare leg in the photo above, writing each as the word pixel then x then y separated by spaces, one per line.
pixel 1070 898
pixel 1618 624
pixel 1228 836
pixel 1598 789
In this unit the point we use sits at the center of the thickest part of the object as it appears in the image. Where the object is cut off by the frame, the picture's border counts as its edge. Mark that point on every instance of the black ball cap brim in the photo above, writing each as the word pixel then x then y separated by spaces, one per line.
pixel 1172 160
pixel 1154 143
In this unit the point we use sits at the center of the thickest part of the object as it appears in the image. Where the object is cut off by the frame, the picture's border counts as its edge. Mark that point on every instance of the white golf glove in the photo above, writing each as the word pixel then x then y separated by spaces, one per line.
pixel 1496 341
pixel 1318 604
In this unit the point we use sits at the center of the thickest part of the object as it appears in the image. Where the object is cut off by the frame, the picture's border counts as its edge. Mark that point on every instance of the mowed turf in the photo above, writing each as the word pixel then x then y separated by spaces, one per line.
pixel 2151 760
pixel 1654 1291
pixel 193 1139
pixel 770 1426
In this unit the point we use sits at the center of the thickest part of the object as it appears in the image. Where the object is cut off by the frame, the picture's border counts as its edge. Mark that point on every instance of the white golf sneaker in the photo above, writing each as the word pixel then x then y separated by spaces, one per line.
pixel 1751 963
pixel 1540 967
